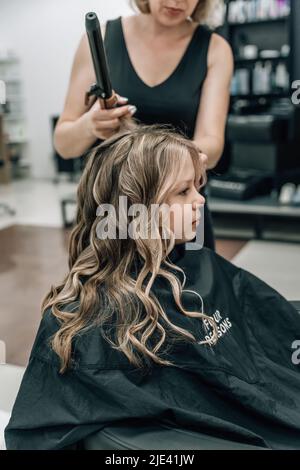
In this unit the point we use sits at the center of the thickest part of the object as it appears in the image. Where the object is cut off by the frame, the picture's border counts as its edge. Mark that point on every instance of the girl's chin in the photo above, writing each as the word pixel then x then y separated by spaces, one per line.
pixel 187 237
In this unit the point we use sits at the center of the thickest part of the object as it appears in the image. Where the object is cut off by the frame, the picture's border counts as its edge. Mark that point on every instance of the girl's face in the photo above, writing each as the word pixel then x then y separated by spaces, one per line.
pixel 184 203
pixel 172 12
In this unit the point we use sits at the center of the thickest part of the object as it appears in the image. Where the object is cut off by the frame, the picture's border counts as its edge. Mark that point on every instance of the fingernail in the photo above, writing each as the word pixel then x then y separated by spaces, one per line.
pixel 123 98
pixel 132 109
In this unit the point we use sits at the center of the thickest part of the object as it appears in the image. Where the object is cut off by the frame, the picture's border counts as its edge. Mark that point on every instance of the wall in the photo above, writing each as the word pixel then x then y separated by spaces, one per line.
pixel 45 35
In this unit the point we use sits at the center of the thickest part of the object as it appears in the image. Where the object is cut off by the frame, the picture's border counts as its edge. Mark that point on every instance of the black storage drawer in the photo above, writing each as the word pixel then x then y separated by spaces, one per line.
pixel 256 128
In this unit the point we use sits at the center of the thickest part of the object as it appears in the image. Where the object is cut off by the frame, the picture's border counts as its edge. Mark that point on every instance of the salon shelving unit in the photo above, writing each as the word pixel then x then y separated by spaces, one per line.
pixel 265 34
pixel 13 111
pixel 4 162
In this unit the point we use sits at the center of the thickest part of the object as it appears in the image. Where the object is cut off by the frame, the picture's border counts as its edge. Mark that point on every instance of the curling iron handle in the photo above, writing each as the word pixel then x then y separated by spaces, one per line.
pixel 127 123
pixel 110 102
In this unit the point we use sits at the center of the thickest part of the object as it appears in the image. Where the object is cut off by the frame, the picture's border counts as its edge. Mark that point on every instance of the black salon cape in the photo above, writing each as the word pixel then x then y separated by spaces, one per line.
pixel 246 388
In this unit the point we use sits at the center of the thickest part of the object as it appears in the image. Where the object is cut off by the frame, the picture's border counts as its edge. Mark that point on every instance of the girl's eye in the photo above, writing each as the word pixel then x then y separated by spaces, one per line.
pixel 184 192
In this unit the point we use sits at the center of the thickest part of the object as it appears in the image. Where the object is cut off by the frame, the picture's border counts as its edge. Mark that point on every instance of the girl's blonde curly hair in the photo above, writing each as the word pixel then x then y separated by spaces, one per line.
pixel 111 281
pixel 209 12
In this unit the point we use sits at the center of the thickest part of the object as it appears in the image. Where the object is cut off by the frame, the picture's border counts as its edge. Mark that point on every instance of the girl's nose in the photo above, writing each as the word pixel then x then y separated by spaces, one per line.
pixel 200 200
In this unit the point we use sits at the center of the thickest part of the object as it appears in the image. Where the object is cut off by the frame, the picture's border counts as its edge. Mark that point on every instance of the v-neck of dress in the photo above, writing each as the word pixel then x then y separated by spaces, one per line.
pixel 164 82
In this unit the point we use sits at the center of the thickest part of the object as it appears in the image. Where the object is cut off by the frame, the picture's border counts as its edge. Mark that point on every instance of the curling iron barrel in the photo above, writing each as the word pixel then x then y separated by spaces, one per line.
pixel 102 88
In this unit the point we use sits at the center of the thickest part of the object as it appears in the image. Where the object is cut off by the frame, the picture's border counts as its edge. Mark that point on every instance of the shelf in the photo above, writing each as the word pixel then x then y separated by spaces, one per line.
pixel 263 205
pixel 13 117
pixel 8 60
pixel 262 21
pixel 14 98
pixel 17 141
pixel 261 96
pixel 12 80
pixel 240 60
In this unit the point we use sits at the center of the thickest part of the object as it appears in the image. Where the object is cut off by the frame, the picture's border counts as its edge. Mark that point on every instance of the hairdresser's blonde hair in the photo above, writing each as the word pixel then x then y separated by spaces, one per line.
pixel 141 164
pixel 209 12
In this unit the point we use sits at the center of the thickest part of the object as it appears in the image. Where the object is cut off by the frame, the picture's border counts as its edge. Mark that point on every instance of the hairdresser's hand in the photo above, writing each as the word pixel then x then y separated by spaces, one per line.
pixel 103 123
pixel 203 156
pixel 204 159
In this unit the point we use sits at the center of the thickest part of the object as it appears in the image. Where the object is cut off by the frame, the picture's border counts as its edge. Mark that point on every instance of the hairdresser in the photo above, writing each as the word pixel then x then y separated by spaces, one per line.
pixel 167 67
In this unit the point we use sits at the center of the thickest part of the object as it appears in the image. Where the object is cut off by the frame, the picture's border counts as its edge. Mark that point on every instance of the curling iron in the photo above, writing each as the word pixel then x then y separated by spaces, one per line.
pixel 102 89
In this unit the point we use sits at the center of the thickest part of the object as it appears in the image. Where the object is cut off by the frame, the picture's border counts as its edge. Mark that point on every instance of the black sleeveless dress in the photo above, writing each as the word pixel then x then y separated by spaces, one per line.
pixel 174 101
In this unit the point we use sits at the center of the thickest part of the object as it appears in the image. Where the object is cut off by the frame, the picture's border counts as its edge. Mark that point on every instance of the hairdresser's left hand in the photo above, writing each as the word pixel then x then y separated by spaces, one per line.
pixel 204 160
pixel 203 156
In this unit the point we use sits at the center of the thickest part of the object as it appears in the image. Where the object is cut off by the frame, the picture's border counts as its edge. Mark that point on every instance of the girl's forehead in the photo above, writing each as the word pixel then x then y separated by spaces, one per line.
pixel 183 173
pixel 187 169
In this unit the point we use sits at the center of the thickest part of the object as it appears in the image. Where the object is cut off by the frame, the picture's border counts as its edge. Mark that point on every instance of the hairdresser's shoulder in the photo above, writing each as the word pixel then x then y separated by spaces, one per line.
pixel 220 55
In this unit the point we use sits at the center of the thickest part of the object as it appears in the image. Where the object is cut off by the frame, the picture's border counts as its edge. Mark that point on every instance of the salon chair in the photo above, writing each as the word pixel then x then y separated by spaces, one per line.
pixel 6 209
pixel 264 151
pixel 156 436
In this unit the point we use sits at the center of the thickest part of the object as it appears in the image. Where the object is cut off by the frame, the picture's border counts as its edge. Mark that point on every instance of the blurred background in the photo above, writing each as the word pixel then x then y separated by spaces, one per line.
pixel 254 192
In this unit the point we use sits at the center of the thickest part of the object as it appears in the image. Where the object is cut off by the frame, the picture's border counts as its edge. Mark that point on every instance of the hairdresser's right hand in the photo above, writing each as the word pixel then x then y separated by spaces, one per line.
pixel 103 123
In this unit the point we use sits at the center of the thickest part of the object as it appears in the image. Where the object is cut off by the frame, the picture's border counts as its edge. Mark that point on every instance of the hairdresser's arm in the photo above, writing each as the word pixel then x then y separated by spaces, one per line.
pixel 71 136
pixel 78 126
pixel 214 101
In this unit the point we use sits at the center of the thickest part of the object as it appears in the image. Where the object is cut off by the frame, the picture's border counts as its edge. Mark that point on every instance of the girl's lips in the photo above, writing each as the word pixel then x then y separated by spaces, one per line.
pixel 197 218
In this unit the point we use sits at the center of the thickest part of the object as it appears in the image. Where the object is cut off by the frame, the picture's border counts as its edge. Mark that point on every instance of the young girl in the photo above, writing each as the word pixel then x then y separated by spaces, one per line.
pixel 147 325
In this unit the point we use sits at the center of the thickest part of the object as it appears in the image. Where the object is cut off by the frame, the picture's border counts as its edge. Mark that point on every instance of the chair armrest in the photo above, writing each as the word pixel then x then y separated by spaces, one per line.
pixel 135 435
pixel 295 304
